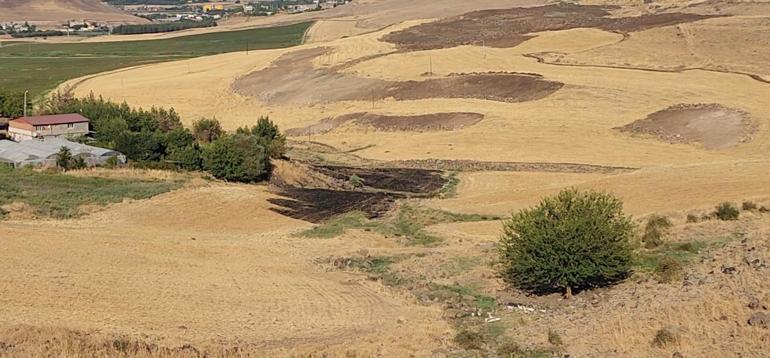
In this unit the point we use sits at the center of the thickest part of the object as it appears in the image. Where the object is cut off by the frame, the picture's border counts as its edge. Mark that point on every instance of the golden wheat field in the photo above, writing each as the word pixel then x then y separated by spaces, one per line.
pixel 663 103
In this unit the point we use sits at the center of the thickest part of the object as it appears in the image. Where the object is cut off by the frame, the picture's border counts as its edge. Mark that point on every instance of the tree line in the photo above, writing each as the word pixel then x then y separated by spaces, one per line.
pixel 156 138
pixel 161 27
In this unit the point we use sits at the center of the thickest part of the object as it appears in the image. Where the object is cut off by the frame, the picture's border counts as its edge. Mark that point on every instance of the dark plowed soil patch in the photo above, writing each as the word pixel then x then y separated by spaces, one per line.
pixel 319 205
pixel 712 125
pixel 501 87
pixel 419 123
pixel 510 27
pixel 292 79
pixel 473 165
pixel 328 192
pixel 408 180
pixel 426 122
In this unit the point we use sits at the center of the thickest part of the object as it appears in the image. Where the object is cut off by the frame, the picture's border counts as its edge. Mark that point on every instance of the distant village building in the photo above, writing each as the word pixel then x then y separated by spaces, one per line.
pixel 59 125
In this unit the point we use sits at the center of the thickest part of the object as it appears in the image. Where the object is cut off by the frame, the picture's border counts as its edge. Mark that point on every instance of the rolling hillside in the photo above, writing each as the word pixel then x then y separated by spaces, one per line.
pixel 43 11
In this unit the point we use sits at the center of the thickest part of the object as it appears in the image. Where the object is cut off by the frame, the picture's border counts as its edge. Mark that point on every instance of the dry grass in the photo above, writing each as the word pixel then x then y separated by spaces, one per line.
pixel 245 276
pixel 210 266
pixel 133 173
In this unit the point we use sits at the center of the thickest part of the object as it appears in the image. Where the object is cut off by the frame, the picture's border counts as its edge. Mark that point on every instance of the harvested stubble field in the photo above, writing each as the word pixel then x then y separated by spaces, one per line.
pixel 242 267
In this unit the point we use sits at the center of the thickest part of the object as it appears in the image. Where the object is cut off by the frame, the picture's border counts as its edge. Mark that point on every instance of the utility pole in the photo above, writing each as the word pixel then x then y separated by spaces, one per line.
pixel 430 66
pixel 25 102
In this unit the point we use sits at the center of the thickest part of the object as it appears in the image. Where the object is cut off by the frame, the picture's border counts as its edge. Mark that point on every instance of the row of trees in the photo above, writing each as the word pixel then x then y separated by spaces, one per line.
pixel 41 33
pixel 161 27
pixel 146 2
pixel 156 138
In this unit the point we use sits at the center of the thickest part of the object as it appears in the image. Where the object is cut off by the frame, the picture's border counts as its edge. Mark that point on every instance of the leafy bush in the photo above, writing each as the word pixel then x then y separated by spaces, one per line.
pixel 554 338
pixel 356 181
pixel 469 340
pixel 236 157
pixel 656 228
pixel 64 158
pixel 572 240
pixel 79 163
pixel 669 270
pixel 727 211
pixel 111 162
pixel 667 335
pixel 692 218
pixel 748 206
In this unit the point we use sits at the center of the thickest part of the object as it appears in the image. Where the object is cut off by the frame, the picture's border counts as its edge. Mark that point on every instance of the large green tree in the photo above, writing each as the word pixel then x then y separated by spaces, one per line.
pixel 574 240
pixel 236 157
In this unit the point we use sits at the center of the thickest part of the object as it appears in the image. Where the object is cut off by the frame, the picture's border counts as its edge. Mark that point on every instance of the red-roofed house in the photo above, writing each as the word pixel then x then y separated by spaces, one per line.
pixel 57 125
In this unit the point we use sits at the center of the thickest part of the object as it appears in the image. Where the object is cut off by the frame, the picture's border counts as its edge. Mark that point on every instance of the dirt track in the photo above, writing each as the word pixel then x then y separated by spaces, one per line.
pixel 508 28
pixel 293 79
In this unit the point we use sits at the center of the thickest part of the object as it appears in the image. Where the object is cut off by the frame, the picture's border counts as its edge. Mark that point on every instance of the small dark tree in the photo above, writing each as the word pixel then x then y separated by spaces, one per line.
pixel 574 240
pixel 64 158
pixel 79 163
pixel 207 130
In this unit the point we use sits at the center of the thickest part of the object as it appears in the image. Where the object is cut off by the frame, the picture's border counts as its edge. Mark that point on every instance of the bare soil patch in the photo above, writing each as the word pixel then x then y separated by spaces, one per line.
pixel 510 27
pixel 425 122
pixel 501 87
pixel 712 125
pixel 292 79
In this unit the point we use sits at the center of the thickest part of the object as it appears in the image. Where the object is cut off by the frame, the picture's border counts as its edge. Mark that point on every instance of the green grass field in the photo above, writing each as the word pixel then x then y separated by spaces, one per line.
pixel 40 67
pixel 59 196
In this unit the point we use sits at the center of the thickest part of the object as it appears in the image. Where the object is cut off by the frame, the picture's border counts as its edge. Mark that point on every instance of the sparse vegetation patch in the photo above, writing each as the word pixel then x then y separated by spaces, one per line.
pixel 60 196
pixel 655 230
pixel 727 211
